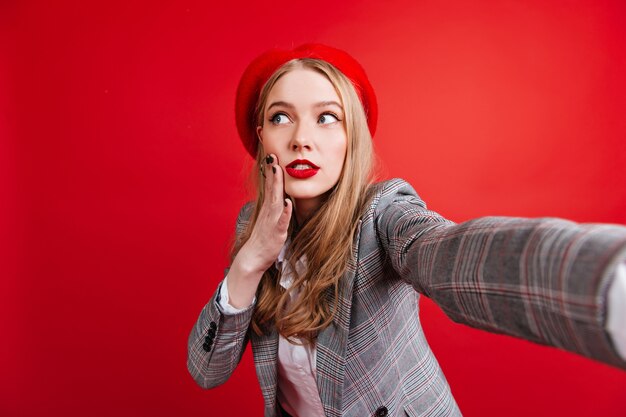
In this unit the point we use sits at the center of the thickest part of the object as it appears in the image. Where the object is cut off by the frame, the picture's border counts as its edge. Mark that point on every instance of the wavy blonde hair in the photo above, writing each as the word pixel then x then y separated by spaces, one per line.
pixel 326 238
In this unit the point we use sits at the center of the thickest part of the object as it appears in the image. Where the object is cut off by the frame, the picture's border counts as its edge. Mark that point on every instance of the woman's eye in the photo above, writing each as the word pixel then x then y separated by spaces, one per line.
pixel 327 118
pixel 279 119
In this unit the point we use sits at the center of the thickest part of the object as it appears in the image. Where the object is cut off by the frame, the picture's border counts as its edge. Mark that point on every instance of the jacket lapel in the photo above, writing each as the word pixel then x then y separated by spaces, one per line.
pixel 265 353
pixel 332 341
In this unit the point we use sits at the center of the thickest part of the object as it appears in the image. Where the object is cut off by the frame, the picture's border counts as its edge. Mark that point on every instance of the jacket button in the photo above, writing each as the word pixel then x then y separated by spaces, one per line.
pixel 206 347
pixel 211 333
pixel 208 341
pixel 382 412
pixel 213 325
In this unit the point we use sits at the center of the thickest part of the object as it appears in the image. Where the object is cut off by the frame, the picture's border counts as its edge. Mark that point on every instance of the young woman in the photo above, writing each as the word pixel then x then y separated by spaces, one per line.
pixel 328 267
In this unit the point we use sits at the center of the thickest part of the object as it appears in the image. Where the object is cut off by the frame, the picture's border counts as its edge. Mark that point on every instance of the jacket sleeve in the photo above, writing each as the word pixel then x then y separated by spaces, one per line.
pixel 544 280
pixel 217 340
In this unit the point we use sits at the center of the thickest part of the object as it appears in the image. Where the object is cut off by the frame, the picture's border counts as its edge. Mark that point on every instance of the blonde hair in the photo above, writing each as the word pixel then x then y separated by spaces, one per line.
pixel 326 238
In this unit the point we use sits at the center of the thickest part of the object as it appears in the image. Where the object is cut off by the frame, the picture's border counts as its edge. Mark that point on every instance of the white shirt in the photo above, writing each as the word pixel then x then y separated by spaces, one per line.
pixel 616 310
pixel 297 386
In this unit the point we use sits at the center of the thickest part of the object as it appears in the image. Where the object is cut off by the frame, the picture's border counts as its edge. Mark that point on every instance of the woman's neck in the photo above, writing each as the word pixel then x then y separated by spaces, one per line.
pixel 305 208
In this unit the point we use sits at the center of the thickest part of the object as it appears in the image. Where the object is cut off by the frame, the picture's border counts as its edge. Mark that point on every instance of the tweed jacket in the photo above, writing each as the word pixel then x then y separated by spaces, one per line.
pixel 544 280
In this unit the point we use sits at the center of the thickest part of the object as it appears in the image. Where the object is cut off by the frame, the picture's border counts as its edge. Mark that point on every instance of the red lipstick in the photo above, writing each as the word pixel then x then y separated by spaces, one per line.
pixel 301 169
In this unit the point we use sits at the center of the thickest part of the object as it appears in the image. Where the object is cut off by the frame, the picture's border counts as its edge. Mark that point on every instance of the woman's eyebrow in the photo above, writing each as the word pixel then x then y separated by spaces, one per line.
pixel 280 103
pixel 328 103
pixel 291 106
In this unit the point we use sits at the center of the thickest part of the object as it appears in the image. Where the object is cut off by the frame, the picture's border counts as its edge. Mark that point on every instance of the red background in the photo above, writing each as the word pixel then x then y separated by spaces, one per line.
pixel 121 176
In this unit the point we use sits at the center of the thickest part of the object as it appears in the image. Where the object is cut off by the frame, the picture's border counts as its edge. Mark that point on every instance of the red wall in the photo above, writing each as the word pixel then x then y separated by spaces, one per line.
pixel 121 176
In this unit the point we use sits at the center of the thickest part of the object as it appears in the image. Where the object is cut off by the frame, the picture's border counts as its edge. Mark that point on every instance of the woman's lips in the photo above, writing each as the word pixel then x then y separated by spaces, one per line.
pixel 301 168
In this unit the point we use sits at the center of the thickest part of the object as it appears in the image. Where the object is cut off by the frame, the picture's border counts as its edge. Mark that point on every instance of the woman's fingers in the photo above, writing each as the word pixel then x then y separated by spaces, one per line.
pixel 285 216
pixel 267 174
pixel 277 182
pixel 270 230
pixel 273 183
pixel 286 205
pixel 273 203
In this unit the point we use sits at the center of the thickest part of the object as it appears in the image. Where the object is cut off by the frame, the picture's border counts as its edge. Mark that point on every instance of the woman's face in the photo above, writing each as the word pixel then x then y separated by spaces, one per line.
pixel 303 126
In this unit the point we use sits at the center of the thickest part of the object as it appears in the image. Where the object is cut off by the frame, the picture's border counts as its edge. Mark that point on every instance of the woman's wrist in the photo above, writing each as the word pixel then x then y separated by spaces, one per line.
pixel 244 276
pixel 250 264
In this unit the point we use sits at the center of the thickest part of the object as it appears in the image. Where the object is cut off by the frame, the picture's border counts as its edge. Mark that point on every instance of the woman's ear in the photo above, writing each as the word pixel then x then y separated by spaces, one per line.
pixel 259 133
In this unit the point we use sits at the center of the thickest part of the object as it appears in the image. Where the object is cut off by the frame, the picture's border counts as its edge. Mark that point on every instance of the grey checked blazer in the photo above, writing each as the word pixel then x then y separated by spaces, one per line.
pixel 543 280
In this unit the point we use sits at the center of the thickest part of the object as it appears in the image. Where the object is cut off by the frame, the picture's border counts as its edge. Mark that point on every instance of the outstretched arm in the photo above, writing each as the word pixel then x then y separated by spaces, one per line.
pixel 544 280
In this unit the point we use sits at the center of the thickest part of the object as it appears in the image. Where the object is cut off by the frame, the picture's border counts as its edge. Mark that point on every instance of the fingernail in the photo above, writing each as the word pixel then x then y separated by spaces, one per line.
pixel 274 170
pixel 269 159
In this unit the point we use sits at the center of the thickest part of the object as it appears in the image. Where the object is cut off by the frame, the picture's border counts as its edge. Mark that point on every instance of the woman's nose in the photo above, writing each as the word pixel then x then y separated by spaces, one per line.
pixel 301 138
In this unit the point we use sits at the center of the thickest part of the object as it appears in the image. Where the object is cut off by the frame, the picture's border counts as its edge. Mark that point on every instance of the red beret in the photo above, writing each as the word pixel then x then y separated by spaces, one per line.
pixel 262 68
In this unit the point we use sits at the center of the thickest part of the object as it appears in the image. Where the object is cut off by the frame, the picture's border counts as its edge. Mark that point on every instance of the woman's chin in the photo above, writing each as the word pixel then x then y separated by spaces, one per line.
pixel 303 196
pixel 303 191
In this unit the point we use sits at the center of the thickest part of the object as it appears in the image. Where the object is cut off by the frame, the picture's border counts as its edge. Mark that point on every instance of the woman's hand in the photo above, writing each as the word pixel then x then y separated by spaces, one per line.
pixel 266 240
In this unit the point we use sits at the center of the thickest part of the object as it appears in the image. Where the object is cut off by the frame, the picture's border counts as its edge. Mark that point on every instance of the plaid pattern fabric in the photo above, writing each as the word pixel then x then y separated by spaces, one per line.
pixel 543 280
